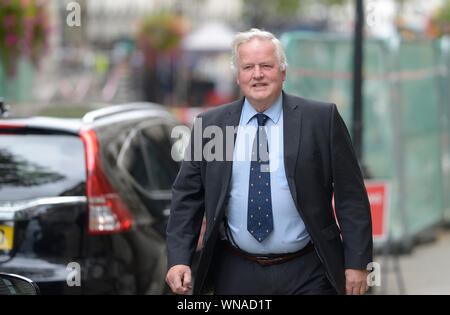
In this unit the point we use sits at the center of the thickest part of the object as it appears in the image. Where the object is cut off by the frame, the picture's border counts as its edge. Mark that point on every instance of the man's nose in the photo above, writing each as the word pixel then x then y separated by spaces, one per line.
pixel 257 73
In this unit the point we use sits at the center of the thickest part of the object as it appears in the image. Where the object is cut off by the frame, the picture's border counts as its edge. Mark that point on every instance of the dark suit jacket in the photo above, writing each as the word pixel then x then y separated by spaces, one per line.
pixel 319 161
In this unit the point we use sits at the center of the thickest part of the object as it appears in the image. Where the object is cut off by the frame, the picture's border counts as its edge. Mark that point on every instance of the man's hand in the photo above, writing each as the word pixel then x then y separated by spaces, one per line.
pixel 179 279
pixel 356 281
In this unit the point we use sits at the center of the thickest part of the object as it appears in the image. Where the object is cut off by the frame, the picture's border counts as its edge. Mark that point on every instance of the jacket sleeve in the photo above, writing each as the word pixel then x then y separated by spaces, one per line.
pixel 187 208
pixel 350 197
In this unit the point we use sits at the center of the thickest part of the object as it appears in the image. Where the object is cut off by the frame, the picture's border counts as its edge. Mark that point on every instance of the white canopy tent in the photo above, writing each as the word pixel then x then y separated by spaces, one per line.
pixel 211 36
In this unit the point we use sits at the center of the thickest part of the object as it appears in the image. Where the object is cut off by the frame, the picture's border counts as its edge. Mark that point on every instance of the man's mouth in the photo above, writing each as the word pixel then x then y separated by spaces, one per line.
pixel 257 85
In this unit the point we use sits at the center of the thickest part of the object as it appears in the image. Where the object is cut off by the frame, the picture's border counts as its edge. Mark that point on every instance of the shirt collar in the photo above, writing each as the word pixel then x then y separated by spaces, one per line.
pixel 273 112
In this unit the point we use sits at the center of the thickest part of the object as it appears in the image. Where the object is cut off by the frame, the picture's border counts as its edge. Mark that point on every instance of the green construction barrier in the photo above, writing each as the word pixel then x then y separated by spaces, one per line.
pixel 443 46
pixel 18 88
pixel 402 108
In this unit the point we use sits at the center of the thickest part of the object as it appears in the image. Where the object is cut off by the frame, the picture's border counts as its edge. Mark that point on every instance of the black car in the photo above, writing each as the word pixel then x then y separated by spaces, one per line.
pixel 11 284
pixel 84 203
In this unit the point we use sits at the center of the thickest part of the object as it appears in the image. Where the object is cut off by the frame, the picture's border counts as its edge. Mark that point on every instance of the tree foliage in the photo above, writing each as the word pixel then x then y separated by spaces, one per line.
pixel 258 13
pixel 24 30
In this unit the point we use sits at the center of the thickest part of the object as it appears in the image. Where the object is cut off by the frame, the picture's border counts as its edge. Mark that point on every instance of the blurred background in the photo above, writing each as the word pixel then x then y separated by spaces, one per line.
pixel 63 58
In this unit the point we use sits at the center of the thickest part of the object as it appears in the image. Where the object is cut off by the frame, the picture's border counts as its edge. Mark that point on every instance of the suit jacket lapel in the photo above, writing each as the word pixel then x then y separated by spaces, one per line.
pixel 291 137
pixel 232 120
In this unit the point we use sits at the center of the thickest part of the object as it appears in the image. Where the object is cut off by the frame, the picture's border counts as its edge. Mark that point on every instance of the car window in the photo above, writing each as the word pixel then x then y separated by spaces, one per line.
pixel 157 147
pixel 133 161
pixel 147 157
pixel 35 165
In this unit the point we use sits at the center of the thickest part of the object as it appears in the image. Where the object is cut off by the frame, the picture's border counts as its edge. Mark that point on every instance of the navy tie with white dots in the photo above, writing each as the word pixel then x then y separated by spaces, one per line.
pixel 259 217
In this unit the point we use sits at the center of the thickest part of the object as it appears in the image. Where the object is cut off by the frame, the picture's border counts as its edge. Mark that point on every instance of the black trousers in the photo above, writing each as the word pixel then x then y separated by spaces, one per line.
pixel 302 275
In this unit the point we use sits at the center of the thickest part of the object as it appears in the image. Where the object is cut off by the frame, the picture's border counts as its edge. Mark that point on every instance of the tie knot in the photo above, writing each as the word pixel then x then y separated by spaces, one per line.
pixel 262 119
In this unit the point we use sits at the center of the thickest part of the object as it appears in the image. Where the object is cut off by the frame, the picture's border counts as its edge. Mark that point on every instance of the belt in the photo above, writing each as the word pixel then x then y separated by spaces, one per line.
pixel 270 259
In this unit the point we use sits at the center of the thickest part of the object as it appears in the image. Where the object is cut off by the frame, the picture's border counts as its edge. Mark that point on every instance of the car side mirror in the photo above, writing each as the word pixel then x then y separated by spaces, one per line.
pixel 11 284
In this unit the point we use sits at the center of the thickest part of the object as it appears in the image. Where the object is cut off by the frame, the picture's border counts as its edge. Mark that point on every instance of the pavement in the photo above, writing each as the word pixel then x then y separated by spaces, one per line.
pixel 423 272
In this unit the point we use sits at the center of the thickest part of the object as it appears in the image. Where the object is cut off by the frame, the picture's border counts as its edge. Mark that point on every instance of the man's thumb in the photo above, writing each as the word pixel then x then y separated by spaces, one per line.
pixel 187 279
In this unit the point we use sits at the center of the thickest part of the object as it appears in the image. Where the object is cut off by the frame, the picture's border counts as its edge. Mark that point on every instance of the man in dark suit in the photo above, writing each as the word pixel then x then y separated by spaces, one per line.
pixel 267 197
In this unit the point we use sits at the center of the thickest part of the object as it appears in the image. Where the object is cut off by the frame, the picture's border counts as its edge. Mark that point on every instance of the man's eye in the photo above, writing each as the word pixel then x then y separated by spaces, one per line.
pixel 267 66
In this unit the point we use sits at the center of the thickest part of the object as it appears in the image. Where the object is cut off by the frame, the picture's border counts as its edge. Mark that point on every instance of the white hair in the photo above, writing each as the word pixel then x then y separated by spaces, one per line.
pixel 244 37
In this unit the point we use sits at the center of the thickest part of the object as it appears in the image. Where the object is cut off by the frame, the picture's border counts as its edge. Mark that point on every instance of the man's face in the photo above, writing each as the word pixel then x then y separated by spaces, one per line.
pixel 259 74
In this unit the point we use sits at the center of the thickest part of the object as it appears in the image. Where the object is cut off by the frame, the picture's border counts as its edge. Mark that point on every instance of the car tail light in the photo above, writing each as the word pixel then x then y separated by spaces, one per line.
pixel 107 213
pixel 10 126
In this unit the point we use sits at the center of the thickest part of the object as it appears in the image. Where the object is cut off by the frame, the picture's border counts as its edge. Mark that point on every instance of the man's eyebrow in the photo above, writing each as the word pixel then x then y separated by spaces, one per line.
pixel 267 62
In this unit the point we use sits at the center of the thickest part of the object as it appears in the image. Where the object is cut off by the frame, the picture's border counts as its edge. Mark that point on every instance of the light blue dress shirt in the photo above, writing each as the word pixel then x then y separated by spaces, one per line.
pixel 289 233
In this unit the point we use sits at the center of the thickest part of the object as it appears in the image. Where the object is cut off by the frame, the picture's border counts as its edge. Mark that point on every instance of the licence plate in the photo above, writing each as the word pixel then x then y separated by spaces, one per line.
pixel 6 237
